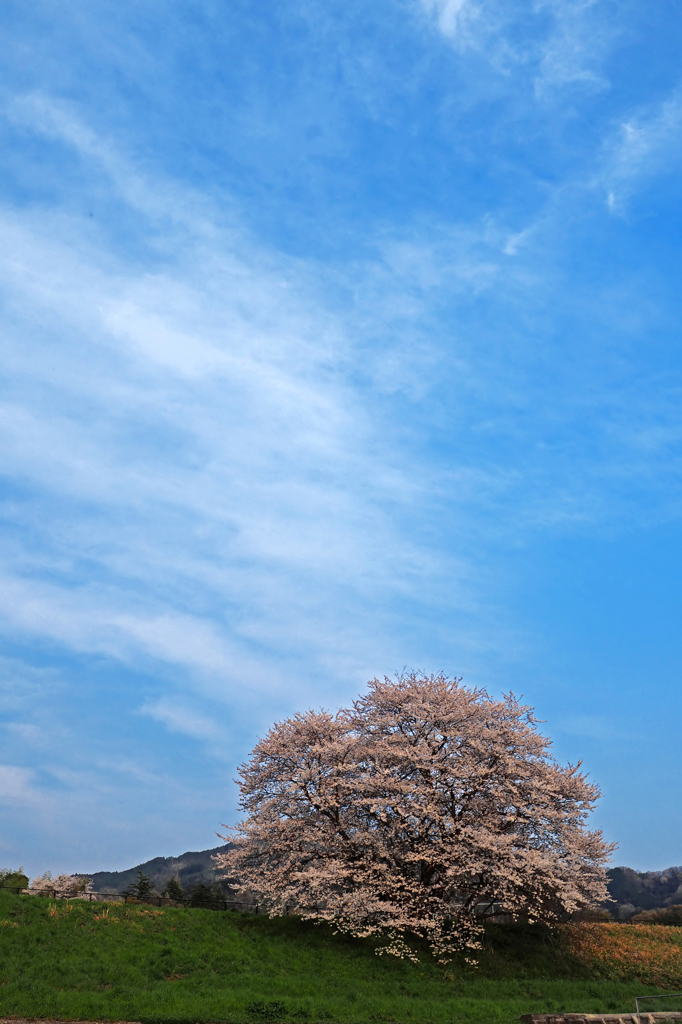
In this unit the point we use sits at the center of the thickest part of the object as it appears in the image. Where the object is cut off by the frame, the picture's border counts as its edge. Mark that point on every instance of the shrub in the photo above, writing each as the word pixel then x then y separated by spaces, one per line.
pixel 266 1009
pixel 662 915
pixel 17 878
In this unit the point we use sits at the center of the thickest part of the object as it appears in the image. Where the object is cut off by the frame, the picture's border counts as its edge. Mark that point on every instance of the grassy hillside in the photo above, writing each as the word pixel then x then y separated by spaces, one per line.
pixel 111 961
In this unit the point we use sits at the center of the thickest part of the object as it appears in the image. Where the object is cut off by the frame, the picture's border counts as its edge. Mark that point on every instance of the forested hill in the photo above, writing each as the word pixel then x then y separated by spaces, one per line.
pixel 644 890
pixel 190 868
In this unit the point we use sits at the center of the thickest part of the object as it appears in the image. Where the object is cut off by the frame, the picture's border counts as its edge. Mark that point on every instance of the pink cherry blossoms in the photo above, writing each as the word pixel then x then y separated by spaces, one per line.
pixel 421 809
pixel 62 887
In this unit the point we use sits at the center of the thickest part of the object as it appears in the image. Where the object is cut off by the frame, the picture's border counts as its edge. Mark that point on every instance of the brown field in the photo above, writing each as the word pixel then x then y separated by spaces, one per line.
pixel 650 953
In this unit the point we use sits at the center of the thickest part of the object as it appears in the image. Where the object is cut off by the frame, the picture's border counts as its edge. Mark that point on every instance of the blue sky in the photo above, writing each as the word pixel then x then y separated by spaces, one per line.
pixel 337 338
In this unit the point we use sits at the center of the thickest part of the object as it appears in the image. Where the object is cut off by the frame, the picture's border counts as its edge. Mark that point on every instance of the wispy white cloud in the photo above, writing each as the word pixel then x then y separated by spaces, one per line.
pixel 548 46
pixel 17 785
pixel 646 146
pixel 448 14
pixel 180 717
pixel 574 50
pixel 206 405
pixel 91 620
pixel 41 114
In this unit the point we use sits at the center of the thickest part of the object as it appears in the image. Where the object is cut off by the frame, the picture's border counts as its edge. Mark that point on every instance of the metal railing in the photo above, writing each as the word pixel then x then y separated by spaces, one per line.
pixel 651 1016
pixel 153 900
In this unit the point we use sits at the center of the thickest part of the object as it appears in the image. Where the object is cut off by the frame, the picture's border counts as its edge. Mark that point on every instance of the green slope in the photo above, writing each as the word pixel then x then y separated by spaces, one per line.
pixel 111 962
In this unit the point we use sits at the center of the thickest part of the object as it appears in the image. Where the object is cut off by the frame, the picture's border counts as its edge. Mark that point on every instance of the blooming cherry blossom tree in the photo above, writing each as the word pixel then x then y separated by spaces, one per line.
pixel 421 809
pixel 61 887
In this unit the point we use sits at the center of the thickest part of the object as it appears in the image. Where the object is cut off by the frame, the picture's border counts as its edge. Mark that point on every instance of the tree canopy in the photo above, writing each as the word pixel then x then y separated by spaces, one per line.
pixel 422 808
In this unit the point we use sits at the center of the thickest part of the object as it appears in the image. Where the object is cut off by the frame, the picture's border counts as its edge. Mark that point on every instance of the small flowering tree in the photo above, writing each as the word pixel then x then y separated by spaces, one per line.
pixel 61 887
pixel 422 808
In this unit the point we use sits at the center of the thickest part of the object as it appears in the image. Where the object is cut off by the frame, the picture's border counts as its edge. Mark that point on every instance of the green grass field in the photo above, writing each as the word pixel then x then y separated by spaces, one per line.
pixel 78 960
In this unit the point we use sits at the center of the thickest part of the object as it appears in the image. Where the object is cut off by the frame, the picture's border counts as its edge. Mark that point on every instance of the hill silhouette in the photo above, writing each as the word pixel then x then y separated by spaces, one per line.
pixel 190 868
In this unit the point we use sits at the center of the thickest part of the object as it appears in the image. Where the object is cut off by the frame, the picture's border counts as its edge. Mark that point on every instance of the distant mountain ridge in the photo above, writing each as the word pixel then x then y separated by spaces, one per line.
pixel 631 890
pixel 190 868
